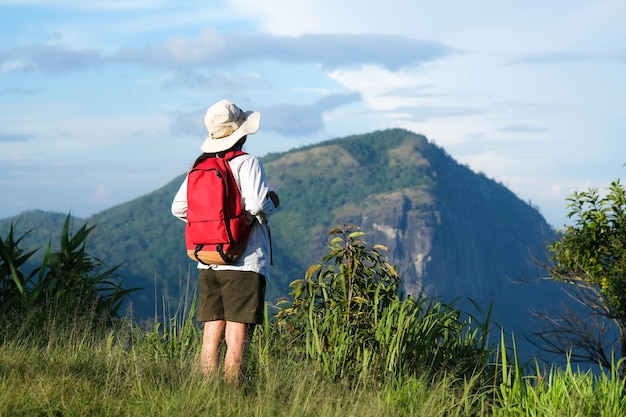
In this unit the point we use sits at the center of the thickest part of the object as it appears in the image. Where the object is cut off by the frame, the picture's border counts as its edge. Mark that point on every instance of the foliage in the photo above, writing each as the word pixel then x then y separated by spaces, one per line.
pixel 79 370
pixel 558 392
pixel 591 256
pixel 67 282
pixel 81 366
pixel 84 373
pixel 347 315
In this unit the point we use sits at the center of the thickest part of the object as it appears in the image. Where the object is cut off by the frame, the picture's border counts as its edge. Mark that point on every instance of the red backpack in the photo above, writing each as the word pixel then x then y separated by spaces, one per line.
pixel 217 230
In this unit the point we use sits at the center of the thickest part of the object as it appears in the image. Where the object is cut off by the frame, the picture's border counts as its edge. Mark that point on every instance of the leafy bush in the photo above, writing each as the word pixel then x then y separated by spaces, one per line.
pixel 347 315
pixel 67 282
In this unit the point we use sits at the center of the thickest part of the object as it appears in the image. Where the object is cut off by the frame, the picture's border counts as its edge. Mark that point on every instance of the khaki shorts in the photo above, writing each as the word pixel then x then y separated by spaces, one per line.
pixel 231 295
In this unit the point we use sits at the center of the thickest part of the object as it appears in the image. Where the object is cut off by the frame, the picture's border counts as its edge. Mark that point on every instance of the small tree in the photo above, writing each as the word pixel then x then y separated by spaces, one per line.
pixel 590 255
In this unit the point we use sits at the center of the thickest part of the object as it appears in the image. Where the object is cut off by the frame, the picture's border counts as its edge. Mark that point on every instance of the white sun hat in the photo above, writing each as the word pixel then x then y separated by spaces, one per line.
pixel 226 124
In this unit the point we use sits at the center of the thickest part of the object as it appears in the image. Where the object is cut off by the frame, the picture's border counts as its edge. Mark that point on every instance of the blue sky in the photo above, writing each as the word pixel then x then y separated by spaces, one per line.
pixel 102 101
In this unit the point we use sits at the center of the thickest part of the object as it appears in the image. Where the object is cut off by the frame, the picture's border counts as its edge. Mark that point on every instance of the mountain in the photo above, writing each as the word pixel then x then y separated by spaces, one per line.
pixel 451 232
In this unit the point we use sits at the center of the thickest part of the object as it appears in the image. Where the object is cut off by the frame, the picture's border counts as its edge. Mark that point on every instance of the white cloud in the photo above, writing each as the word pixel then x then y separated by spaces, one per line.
pixel 211 48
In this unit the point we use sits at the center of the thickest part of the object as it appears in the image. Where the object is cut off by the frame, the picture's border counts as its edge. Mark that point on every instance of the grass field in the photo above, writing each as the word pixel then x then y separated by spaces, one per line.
pixel 129 371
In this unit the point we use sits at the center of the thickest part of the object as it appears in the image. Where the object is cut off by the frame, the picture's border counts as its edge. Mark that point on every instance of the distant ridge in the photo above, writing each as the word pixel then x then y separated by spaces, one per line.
pixel 450 231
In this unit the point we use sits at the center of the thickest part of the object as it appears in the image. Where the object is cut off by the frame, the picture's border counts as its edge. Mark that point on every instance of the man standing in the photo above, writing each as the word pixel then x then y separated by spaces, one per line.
pixel 231 297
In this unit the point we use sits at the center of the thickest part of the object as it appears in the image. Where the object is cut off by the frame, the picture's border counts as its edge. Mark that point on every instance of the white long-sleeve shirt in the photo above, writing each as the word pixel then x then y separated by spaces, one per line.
pixel 250 176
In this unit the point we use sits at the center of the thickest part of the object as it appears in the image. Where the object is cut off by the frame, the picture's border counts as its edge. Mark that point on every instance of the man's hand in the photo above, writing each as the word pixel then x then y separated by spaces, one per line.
pixel 274 197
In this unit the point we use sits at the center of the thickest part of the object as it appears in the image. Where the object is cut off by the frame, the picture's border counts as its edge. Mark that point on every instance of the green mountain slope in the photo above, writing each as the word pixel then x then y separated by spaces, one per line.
pixel 450 231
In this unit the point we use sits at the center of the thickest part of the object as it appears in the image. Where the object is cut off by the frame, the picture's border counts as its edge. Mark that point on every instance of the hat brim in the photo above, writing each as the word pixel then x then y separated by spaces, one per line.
pixel 248 127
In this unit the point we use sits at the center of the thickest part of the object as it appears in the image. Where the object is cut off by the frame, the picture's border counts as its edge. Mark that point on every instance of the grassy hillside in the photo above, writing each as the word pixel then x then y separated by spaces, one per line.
pixel 77 371
pixel 404 191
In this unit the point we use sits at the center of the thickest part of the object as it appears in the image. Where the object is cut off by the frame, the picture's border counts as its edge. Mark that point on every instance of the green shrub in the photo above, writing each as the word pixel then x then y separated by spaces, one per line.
pixel 68 283
pixel 348 316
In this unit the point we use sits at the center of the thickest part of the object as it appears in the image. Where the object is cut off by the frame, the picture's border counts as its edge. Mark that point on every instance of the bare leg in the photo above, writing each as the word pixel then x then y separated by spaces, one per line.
pixel 211 340
pixel 238 338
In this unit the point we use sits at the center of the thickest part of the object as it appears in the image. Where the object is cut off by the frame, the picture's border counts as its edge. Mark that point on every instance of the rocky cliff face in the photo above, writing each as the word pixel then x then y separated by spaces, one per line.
pixel 406 222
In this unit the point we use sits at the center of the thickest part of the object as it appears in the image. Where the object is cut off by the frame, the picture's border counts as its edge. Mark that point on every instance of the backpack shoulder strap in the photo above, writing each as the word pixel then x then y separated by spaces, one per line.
pixel 227 156
pixel 233 154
